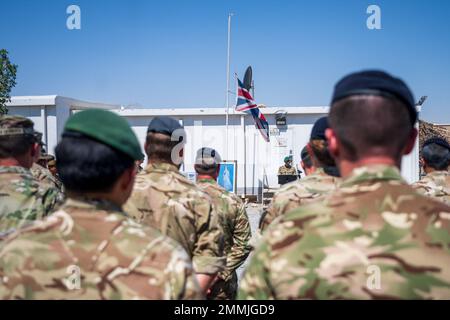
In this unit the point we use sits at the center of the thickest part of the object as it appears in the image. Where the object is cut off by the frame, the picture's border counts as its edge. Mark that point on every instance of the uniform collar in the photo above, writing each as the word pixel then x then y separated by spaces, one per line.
pixel 438 173
pixel 207 180
pixel 14 169
pixel 162 167
pixel 91 204
pixel 373 173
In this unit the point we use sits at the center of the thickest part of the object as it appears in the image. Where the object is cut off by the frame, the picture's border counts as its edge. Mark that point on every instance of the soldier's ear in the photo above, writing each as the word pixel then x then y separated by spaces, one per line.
pixel 411 142
pixel 333 144
pixel 35 150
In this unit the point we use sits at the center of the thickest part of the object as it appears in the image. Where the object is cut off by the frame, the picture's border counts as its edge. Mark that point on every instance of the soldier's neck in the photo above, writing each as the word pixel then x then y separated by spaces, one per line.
pixel 346 167
pixel 205 177
pixel 13 162
pixel 95 196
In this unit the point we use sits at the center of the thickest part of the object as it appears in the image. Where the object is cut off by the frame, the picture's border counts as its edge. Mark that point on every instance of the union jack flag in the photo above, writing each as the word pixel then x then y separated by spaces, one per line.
pixel 245 103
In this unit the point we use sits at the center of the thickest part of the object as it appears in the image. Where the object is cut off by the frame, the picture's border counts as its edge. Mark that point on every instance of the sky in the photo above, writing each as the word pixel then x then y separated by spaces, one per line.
pixel 172 53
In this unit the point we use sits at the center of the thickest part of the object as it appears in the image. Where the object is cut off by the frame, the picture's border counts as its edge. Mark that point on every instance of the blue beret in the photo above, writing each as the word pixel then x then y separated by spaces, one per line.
pixel 163 124
pixel 439 141
pixel 375 82
pixel 318 130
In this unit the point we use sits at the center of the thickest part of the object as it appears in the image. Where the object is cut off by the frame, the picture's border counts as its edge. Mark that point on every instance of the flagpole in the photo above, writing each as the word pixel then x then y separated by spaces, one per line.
pixel 228 85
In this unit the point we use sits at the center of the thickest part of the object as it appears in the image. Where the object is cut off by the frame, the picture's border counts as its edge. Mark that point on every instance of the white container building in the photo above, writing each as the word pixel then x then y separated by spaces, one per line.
pixel 257 160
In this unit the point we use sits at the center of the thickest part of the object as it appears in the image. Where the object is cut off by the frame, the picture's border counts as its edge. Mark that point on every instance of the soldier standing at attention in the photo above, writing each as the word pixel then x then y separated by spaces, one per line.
pixel 234 221
pixel 40 171
pixel 374 237
pixel 89 249
pixel 22 198
pixel 435 161
pixel 164 199
pixel 287 169
pixel 51 165
pixel 320 182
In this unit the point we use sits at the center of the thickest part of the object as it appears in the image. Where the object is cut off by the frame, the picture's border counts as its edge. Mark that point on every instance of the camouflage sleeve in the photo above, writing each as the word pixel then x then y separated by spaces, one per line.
pixel 181 279
pixel 52 198
pixel 255 284
pixel 241 237
pixel 273 211
pixel 208 255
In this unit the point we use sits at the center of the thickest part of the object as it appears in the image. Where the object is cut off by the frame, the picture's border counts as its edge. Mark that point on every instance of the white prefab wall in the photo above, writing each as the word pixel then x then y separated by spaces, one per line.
pixel 257 160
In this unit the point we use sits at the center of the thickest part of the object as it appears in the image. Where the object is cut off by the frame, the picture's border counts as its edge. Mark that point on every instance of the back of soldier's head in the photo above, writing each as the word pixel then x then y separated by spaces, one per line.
pixel 17 136
pixel 96 148
pixel 372 114
pixel 306 158
pixel 165 139
pixel 319 145
pixel 436 153
pixel 207 161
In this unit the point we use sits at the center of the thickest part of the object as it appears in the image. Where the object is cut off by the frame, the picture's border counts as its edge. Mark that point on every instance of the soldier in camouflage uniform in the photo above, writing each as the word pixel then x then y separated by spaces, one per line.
pixel 287 168
pixel 164 199
pixel 435 161
pixel 40 171
pixel 374 237
pixel 51 165
pixel 89 249
pixel 320 182
pixel 234 221
pixel 22 198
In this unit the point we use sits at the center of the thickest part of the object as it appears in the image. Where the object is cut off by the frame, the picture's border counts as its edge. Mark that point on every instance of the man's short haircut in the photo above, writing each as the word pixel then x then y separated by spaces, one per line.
pixel 12 146
pixel 160 147
pixel 369 125
pixel 436 156
pixel 86 165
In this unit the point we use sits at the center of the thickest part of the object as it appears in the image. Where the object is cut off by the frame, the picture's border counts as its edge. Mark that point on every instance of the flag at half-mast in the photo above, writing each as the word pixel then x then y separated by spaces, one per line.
pixel 245 103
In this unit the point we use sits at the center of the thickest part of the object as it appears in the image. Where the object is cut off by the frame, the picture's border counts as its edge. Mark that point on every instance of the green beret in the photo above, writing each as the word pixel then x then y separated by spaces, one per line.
pixel 288 158
pixel 108 128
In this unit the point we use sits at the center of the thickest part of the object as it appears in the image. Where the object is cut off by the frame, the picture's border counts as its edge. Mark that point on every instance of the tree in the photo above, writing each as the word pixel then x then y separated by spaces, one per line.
pixel 7 80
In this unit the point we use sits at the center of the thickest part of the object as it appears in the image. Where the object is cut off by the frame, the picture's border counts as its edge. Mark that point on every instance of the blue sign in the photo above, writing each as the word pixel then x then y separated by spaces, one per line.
pixel 227 176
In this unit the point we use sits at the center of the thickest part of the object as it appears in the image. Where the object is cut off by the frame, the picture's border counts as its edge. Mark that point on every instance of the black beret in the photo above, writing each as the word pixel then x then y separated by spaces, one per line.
pixel 375 82
pixel 163 124
pixel 318 130
pixel 439 141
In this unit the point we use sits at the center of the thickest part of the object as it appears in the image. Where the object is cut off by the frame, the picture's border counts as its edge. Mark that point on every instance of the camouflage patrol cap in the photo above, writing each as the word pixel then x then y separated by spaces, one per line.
pixel 16 126
pixel 439 141
pixel 207 156
pixel 46 156
pixel 105 127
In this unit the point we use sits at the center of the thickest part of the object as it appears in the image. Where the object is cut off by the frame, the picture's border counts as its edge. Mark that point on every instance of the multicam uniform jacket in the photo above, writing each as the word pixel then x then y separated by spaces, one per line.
pixel 164 199
pixel 89 249
pixel 283 170
pixel 23 199
pixel 297 193
pixel 435 184
pixel 237 234
pixel 373 238
pixel 44 175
